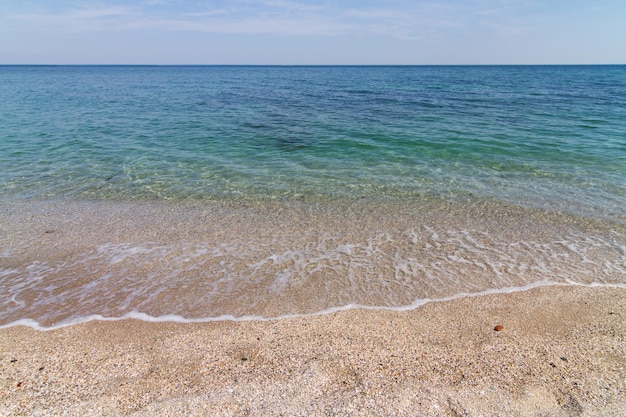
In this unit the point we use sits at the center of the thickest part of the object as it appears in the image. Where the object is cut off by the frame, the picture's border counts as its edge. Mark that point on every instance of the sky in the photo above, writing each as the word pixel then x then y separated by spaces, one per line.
pixel 302 32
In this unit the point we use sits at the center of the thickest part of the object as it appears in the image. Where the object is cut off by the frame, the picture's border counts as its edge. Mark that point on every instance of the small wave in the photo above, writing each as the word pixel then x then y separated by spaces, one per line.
pixel 185 263
pixel 173 318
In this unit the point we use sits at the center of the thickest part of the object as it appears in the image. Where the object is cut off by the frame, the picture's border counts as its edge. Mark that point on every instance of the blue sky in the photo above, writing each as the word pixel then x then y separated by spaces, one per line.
pixel 312 32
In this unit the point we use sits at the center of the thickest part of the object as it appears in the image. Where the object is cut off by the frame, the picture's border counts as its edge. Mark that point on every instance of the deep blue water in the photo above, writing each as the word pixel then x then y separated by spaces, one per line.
pixel 552 137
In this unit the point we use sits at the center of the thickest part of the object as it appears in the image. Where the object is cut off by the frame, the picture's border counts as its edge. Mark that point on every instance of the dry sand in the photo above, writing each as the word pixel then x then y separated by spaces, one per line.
pixel 562 352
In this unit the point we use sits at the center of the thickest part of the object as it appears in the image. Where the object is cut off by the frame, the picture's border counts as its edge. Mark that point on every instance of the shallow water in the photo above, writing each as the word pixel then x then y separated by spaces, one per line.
pixel 198 193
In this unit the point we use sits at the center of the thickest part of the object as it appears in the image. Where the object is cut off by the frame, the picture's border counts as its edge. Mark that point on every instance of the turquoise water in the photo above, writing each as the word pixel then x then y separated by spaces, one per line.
pixel 540 136
pixel 204 193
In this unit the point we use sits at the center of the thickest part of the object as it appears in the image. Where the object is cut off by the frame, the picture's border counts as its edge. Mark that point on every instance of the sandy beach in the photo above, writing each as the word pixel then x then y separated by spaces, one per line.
pixel 561 352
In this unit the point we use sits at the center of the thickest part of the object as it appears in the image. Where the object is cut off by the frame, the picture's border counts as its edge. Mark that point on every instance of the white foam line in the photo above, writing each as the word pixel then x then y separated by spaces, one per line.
pixel 174 318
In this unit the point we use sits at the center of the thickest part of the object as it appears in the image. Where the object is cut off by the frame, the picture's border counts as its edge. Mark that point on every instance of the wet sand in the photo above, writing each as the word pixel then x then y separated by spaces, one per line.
pixel 561 352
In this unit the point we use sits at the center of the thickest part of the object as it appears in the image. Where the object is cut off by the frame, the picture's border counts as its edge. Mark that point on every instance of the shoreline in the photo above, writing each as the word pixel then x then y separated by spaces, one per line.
pixel 562 352
pixel 72 260
pixel 177 319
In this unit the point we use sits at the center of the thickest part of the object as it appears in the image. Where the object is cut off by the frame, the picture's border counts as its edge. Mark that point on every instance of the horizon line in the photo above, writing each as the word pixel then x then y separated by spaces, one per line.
pixel 302 65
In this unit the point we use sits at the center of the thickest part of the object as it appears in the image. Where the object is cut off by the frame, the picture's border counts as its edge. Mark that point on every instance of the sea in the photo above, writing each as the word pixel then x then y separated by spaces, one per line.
pixel 200 193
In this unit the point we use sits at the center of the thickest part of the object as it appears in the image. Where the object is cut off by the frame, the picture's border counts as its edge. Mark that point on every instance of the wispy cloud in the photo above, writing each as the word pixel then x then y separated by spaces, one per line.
pixel 281 17
pixel 400 19
pixel 82 19
pixel 208 13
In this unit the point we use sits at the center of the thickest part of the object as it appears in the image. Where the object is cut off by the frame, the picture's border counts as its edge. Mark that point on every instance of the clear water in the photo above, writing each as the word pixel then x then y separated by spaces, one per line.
pixel 503 177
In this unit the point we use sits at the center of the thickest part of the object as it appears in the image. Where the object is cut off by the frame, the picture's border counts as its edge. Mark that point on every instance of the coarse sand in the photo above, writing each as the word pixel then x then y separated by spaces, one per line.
pixel 561 351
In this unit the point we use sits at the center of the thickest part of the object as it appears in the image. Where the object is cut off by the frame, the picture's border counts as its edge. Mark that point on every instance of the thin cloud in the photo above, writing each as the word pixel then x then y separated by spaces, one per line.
pixel 99 18
pixel 281 17
pixel 291 5
pixel 243 26
pixel 208 13
pixel 285 18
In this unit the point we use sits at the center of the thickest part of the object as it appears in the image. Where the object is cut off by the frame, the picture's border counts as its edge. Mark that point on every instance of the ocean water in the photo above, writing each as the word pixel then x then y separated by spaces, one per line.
pixel 202 193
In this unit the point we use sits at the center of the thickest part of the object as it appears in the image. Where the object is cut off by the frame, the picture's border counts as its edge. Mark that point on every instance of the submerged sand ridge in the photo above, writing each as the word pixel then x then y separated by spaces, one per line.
pixel 561 353
pixel 63 261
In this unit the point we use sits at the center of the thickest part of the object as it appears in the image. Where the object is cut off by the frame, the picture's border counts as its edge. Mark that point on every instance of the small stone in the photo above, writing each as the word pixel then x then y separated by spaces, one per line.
pixel 498 328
